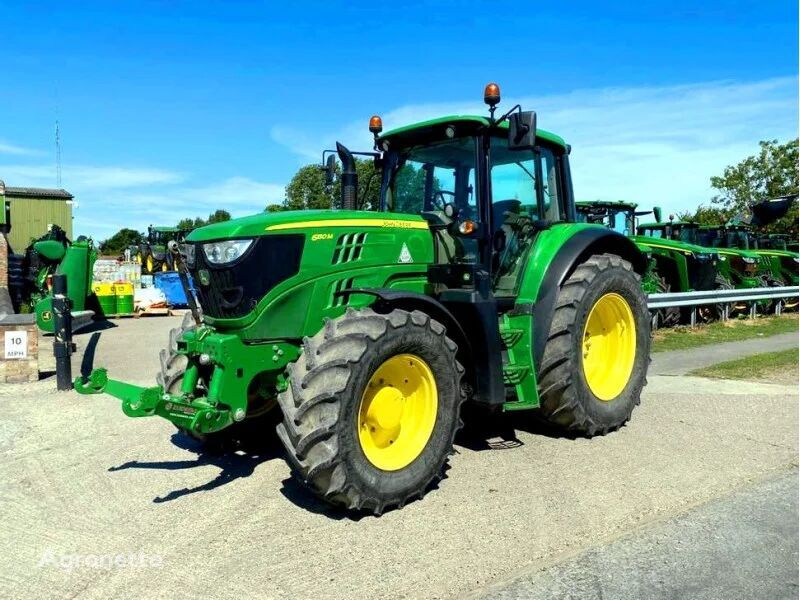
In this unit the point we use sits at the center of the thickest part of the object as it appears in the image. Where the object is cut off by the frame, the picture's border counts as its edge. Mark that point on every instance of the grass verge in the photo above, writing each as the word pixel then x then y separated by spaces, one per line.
pixel 777 367
pixel 679 338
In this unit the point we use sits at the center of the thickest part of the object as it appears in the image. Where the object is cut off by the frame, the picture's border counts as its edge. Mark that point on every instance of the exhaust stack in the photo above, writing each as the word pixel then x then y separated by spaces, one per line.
pixel 349 178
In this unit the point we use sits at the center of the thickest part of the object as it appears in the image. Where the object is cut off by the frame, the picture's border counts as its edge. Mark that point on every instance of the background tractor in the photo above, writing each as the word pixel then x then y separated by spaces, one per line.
pixel 776 266
pixel 152 253
pixel 364 332
pixel 673 265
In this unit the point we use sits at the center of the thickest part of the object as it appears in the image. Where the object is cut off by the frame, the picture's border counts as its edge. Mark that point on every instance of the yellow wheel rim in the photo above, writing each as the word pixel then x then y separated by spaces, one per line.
pixel 609 346
pixel 397 412
pixel 164 267
pixel 139 258
pixel 149 263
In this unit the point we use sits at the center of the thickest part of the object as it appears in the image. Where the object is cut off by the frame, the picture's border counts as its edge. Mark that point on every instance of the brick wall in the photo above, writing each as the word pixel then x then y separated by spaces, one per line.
pixel 19 370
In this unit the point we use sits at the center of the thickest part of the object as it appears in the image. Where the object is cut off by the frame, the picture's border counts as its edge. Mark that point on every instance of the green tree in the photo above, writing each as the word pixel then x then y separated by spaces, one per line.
pixel 117 243
pixel 706 215
pixel 307 189
pixel 769 174
pixel 186 224
pixel 219 216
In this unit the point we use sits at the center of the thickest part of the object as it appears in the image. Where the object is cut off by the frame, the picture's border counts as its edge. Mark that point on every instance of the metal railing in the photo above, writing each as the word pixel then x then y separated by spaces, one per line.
pixel 724 298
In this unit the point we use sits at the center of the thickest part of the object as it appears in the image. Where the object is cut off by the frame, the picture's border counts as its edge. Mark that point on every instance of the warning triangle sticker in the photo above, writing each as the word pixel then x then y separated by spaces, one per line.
pixel 405 255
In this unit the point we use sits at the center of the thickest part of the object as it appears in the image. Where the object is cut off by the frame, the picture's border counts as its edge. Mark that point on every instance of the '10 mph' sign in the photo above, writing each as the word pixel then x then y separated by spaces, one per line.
pixel 16 344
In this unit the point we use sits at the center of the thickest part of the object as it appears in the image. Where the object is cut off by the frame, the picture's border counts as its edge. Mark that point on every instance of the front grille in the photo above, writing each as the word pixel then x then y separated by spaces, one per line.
pixel 233 290
pixel 702 272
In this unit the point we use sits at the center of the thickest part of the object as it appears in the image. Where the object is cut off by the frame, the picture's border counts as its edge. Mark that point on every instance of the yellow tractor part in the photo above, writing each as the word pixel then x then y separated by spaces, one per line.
pixel 609 346
pixel 397 412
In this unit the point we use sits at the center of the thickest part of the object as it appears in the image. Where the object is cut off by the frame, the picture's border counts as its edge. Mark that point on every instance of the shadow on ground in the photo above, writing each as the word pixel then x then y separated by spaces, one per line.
pixel 238 454
pixel 235 458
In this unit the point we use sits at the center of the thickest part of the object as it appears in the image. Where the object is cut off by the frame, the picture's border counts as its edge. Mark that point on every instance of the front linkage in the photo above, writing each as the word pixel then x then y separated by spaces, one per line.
pixel 228 365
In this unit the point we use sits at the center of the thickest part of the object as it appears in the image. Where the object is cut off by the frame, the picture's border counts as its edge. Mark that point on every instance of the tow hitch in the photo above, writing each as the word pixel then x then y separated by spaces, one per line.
pixel 195 414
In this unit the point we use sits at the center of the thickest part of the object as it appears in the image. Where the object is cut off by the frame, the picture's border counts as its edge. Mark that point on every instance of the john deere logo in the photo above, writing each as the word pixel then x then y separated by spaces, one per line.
pixel 47 316
pixel 203 276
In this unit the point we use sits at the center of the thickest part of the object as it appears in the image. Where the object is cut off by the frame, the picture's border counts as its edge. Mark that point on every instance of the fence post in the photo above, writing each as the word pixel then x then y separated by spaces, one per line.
pixel 693 317
pixel 62 345
pixel 753 309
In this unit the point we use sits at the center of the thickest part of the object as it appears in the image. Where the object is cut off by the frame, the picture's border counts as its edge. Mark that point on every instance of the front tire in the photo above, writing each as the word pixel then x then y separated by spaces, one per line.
pixel 372 408
pixel 595 362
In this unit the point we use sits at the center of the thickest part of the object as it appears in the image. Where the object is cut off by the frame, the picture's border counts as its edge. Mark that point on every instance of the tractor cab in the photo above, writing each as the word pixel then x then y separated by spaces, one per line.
pixel 726 236
pixel 620 216
pixel 483 194
pixel 678 231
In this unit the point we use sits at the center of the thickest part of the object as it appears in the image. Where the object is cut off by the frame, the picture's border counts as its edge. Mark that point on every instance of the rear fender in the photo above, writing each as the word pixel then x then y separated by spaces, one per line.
pixel 584 243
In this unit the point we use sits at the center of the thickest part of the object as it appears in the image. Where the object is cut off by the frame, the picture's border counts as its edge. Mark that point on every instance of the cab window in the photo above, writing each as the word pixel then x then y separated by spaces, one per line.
pixel 514 176
pixel 427 177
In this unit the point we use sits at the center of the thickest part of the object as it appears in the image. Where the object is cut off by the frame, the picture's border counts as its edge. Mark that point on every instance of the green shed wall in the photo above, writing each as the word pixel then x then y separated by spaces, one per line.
pixel 31 216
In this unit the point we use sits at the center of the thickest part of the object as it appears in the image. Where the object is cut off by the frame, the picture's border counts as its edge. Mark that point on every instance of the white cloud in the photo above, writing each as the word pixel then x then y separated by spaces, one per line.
pixel 109 198
pixel 103 214
pixel 6 148
pixel 657 144
pixel 87 177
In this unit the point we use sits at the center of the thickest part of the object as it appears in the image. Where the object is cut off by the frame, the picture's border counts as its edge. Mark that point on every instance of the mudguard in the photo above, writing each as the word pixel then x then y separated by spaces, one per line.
pixel 579 247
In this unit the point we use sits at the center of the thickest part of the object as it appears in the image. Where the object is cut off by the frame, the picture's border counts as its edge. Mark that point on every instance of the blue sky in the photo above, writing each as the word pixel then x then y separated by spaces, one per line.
pixel 173 109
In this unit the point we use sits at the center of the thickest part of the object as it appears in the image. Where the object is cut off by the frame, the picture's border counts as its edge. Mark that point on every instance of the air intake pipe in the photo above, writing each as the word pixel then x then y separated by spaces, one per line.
pixel 349 178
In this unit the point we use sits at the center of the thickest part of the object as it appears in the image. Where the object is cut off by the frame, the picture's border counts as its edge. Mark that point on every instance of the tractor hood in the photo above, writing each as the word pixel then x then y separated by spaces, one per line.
pixel 642 240
pixel 302 220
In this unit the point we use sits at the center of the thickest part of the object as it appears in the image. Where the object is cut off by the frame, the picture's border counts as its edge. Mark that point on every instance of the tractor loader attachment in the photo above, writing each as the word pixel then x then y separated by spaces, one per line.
pixel 198 415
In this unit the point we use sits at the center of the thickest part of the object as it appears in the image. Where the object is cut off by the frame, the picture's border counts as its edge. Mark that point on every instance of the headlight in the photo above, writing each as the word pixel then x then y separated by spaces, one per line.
pixel 749 261
pixel 220 253
pixel 795 259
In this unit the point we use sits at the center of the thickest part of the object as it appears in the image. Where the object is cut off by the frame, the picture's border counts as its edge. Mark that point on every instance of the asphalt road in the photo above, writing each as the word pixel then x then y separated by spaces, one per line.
pixel 82 483
pixel 680 362
pixel 740 546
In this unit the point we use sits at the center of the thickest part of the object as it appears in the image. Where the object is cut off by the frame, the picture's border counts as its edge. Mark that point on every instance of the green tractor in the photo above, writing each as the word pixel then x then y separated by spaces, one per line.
pixel 152 253
pixel 365 331
pixel 783 262
pixel 673 265
pixel 775 266
pixel 737 268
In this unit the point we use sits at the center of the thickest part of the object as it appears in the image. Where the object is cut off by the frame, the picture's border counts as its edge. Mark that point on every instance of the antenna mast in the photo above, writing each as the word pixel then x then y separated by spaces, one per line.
pixel 58 155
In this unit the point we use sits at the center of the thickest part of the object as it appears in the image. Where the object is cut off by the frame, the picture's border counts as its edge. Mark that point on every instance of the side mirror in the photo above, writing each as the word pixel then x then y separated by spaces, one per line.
pixel 522 130
pixel 330 169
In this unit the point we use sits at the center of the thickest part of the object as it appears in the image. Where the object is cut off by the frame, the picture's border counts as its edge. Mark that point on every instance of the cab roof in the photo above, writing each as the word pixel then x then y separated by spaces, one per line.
pixel 471 120
pixel 663 224
pixel 606 204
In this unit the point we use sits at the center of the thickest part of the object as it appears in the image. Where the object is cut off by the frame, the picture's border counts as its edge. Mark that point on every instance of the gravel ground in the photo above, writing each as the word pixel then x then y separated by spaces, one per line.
pixel 79 479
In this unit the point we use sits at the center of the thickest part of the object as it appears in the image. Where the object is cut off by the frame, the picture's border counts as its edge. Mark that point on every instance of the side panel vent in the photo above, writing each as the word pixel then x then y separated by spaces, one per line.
pixel 348 248
pixel 339 296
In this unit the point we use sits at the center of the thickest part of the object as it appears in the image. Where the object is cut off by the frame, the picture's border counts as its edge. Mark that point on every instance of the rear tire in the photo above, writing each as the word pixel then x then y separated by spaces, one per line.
pixel 567 397
pixel 324 431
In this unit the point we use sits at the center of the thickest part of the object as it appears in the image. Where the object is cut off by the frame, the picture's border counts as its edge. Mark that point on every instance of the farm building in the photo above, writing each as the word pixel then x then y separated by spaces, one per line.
pixel 33 211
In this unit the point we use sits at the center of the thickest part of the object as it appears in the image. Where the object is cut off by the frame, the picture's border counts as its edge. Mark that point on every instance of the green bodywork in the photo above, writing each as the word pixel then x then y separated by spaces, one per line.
pixel 684 267
pixel 76 261
pixel 775 261
pixel 342 252
pixel 743 267
pixel 740 267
